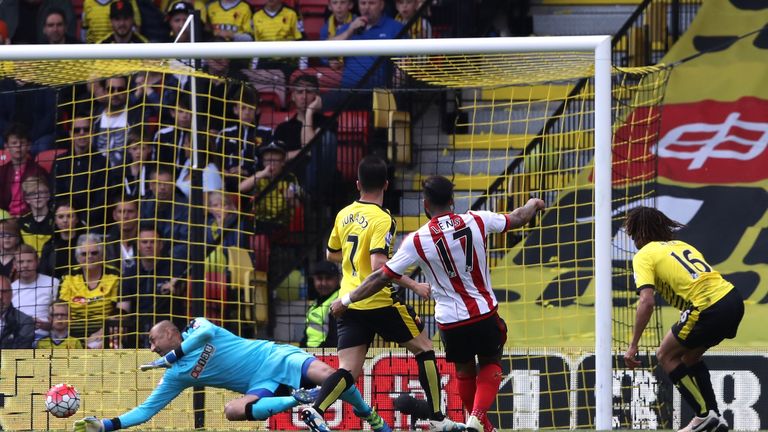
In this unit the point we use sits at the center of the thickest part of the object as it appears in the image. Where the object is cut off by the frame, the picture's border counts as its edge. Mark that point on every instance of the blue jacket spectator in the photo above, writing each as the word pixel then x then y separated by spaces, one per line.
pixel 371 24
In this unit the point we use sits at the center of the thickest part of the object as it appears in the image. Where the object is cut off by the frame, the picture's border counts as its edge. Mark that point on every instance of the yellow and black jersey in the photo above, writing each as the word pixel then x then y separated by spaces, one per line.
pixel 88 308
pixel 136 37
pixel 680 274
pixel 283 25
pixel 420 29
pixel 67 343
pixel 362 229
pixel 36 233
pixel 96 20
pixel 235 19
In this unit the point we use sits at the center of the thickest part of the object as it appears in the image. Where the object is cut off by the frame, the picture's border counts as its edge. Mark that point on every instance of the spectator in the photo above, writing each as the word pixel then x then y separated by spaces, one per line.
pixel 224 226
pixel 318 167
pixel 213 92
pixel 114 120
pixel 96 18
pixel 59 336
pixel 123 27
pixel 177 15
pixel 278 22
pixel 37 225
pixel 4 39
pixel 371 24
pixel 173 139
pixel 17 329
pixel 321 325
pixel 121 249
pixel 25 19
pixel 230 19
pixel 21 167
pixel 238 143
pixel 55 28
pixel 58 256
pixel 211 176
pixel 406 10
pixel 10 239
pixel 135 173
pixel 150 288
pixel 92 291
pixel 341 14
pixel 33 292
pixel 81 174
pixel 273 212
pixel 169 208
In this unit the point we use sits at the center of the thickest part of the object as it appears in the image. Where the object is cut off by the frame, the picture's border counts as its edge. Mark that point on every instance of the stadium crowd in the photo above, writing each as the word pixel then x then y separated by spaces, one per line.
pixel 97 204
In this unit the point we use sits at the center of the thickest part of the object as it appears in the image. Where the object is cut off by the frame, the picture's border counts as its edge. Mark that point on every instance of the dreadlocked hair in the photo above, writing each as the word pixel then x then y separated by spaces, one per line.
pixel 648 224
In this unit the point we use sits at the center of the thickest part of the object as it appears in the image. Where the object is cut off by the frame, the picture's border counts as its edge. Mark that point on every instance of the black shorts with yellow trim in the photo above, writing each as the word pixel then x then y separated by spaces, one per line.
pixel 708 327
pixel 397 323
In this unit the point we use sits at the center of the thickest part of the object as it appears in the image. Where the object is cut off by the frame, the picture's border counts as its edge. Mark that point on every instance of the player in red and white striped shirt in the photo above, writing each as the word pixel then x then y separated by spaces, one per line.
pixel 451 251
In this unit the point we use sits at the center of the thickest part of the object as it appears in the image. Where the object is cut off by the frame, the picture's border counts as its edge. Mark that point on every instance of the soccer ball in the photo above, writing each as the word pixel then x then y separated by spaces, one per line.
pixel 62 400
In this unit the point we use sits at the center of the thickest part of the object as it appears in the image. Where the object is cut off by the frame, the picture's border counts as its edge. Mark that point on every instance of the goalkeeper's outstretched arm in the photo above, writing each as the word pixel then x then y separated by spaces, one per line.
pixel 161 396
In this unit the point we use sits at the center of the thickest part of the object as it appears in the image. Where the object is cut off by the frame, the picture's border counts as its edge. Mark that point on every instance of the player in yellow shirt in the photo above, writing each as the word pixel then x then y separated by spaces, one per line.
pixel 361 241
pixel 59 337
pixel 230 19
pixel 96 22
pixel 711 310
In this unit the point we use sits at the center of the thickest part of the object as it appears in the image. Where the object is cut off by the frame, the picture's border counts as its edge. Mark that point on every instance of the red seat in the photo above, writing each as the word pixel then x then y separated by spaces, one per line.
pixel 353 127
pixel 347 158
pixel 260 247
pixel 312 26
pixel 313 7
pixel 270 83
pixel 46 158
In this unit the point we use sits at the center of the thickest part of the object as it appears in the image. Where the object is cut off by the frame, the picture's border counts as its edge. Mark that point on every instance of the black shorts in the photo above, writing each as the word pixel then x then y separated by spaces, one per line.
pixel 397 323
pixel 709 327
pixel 484 338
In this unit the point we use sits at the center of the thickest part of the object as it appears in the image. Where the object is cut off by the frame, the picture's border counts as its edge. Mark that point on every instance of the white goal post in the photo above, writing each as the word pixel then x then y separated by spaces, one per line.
pixel 599 45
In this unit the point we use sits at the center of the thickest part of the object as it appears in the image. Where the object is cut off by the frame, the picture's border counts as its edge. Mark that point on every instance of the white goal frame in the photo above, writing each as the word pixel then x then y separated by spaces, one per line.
pixel 599 45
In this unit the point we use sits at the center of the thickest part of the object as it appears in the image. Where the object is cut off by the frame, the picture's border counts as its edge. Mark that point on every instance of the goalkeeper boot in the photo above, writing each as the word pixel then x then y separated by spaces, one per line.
pixel 374 419
pixel 306 396
pixel 314 420
pixel 446 425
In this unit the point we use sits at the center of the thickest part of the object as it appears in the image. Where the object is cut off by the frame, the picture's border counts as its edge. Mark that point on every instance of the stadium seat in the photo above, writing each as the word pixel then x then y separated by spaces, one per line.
pixel 327 78
pixel 312 26
pixel 260 247
pixel 270 83
pixel 347 158
pixel 313 7
pixel 46 158
pixel 353 127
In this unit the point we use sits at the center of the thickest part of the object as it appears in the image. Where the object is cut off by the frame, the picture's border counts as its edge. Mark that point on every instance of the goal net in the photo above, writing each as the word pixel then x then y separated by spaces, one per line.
pixel 178 192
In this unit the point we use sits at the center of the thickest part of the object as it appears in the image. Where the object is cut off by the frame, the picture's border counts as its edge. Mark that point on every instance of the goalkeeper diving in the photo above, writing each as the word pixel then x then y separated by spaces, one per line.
pixel 208 355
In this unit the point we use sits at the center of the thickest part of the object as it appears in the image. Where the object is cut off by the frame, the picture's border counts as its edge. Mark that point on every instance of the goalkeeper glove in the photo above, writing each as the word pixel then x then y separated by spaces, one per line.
pixel 89 424
pixel 163 362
